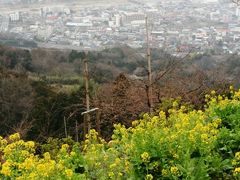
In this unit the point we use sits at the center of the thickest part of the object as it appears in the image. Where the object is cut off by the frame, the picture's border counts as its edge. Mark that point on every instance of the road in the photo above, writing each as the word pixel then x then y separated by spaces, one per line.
pixel 64 47
pixel 78 4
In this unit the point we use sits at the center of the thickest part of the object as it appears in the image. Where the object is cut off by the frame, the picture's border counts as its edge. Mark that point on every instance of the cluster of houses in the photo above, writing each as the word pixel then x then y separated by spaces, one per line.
pixel 176 25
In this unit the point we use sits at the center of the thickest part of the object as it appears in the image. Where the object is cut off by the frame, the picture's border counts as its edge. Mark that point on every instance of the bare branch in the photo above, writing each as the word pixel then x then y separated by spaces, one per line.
pixel 171 66
pixel 237 2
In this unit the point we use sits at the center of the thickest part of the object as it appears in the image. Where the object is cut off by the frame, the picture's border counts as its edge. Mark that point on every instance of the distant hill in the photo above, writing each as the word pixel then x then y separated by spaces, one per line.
pixel 106 65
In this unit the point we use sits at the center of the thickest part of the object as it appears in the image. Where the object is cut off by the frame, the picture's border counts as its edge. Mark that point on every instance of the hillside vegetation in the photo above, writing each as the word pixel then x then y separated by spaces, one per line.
pixel 182 143
pixel 42 87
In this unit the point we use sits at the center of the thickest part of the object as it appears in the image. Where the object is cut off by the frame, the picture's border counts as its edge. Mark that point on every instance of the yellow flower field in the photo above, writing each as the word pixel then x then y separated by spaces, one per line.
pixel 181 143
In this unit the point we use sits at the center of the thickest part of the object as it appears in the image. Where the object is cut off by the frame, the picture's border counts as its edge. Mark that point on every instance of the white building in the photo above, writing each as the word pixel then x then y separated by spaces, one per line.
pixel 118 20
pixel 45 33
pixel 14 16
pixel 75 24
pixel 133 16
pixel 111 23
pixel 237 13
pixel 67 11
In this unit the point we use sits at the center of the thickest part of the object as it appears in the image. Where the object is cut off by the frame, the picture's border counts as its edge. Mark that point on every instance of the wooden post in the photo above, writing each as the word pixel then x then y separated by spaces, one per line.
pixel 76 130
pixel 84 126
pixel 87 93
pixel 98 122
pixel 65 126
pixel 149 69
pixel 87 113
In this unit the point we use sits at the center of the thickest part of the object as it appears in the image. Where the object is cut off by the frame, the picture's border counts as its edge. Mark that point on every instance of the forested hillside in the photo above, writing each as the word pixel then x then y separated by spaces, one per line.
pixel 193 131
pixel 42 87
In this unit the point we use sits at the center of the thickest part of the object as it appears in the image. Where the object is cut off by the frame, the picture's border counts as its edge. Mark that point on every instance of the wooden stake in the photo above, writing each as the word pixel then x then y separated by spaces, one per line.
pixel 65 126
pixel 84 127
pixel 76 129
pixel 98 122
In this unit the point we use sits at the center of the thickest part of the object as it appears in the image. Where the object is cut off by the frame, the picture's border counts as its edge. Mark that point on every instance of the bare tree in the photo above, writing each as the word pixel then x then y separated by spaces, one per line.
pixel 120 102
pixel 16 101
pixel 236 2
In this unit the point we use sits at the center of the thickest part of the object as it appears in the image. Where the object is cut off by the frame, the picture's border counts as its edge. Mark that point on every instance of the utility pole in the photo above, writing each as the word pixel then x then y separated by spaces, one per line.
pixel 86 114
pixel 87 123
pixel 112 102
pixel 150 91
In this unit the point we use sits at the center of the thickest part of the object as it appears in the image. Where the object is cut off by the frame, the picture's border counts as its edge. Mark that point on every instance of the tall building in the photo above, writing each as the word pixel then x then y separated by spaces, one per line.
pixel 133 16
pixel 118 20
pixel 14 16
pixel 237 13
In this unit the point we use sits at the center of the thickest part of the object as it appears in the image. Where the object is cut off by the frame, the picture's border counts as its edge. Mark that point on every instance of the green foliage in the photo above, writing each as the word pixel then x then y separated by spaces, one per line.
pixel 11 58
pixel 18 43
pixel 184 144
pixel 74 55
pixel 50 123
pixel 16 100
pixel 53 146
pixel 228 143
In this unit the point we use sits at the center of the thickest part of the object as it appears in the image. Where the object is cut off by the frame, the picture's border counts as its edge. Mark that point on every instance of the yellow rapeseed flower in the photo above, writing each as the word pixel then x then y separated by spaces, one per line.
pixel 47 156
pixel 14 137
pixel 30 144
pixel 164 173
pixel 237 156
pixel 236 171
pixel 69 173
pixel 174 170
pixel 120 174
pixel 162 114
pixel 60 166
pixel 3 143
pixel 149 177
pixel 20 178
pixel 65 146
pixel 145 157
pixel 127 165
pixel 32 175
pixel 191 136
pixel 111 175
pixel 24 153
pixel 73 153
pixel 176 156
pixel 175 104
pixel 213 92
pixel 6 169
pixel 112 166
pixel 234 162
pixel 27 164
pixel 135 123
pixel 204 138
